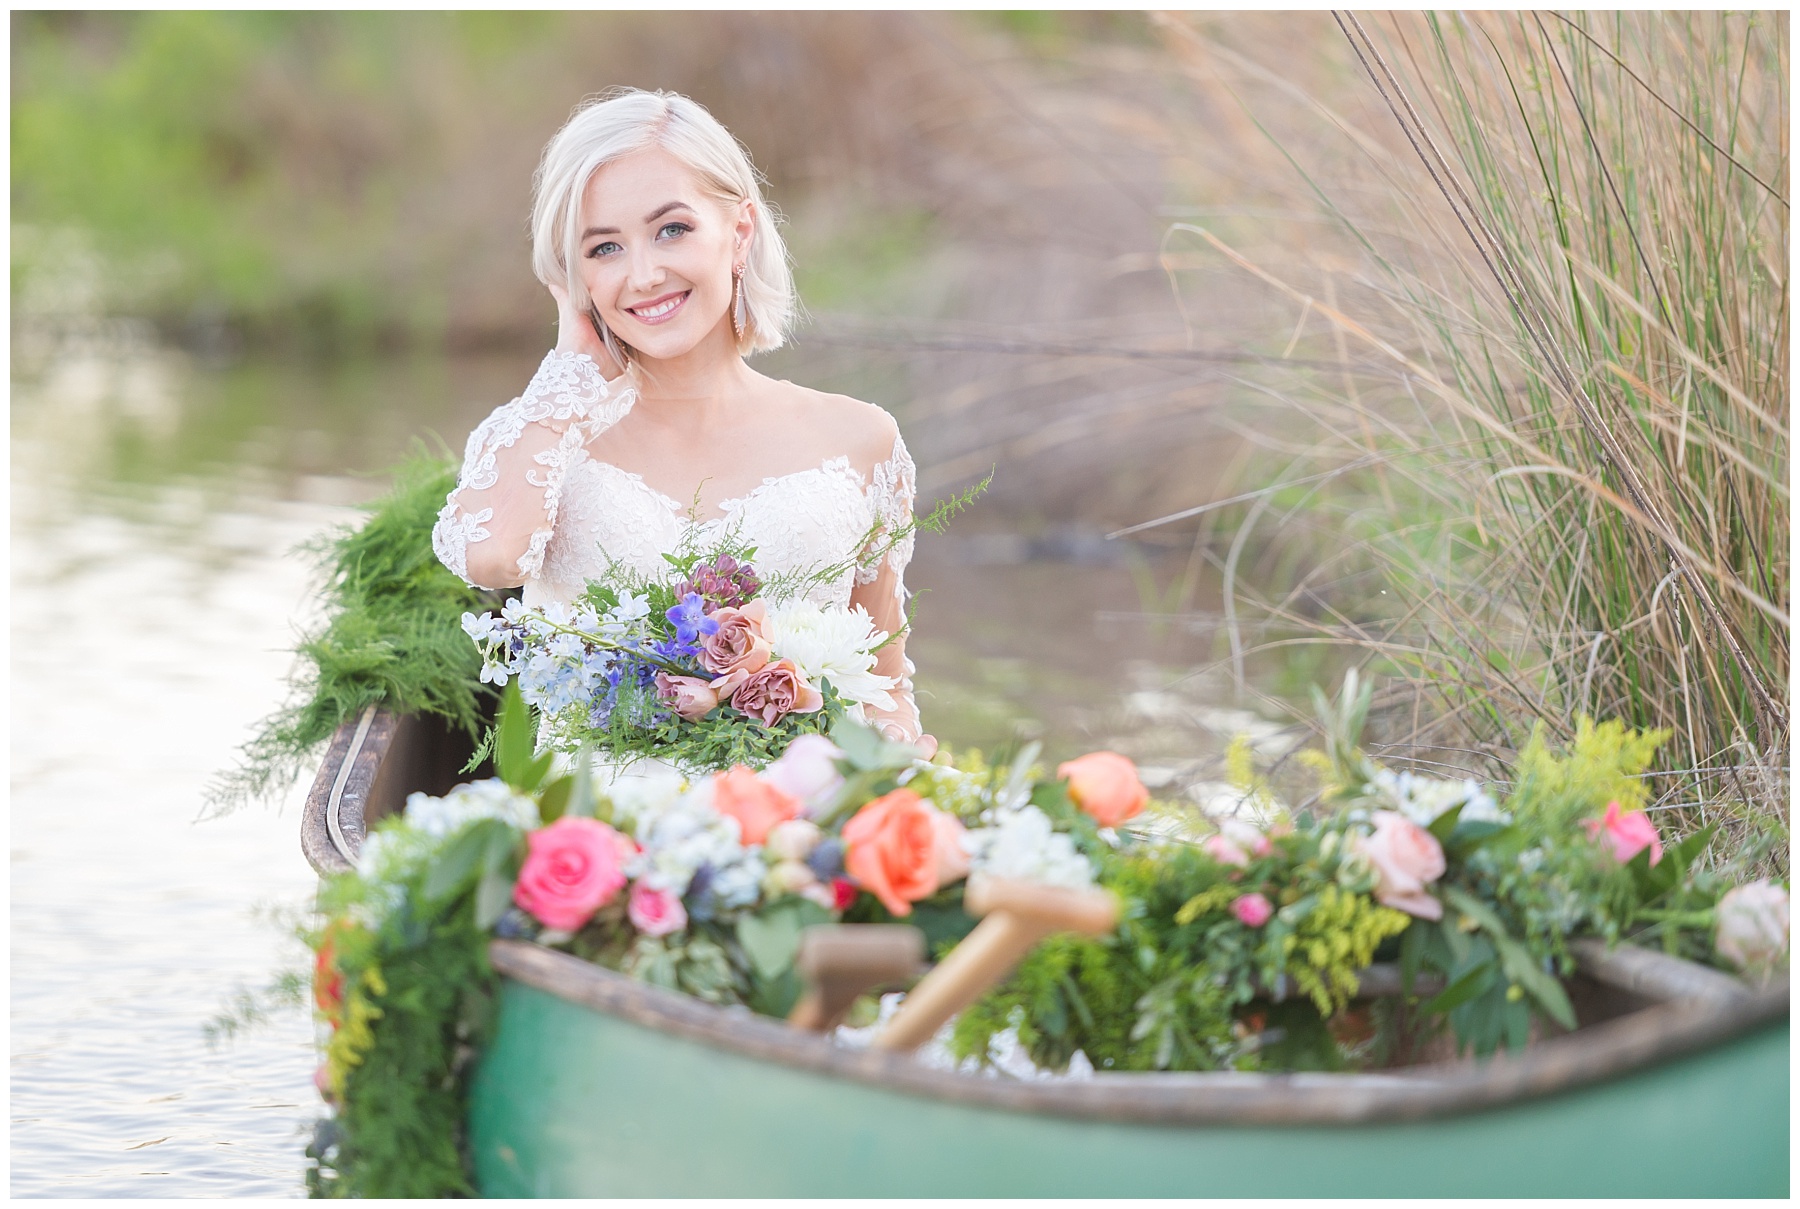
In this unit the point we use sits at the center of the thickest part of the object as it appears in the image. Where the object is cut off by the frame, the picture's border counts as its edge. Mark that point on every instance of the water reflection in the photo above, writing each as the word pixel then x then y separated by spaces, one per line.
pixel 156 505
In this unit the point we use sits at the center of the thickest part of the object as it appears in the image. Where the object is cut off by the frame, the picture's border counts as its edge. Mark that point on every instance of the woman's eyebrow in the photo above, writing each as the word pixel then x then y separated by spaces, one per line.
pixel 652 217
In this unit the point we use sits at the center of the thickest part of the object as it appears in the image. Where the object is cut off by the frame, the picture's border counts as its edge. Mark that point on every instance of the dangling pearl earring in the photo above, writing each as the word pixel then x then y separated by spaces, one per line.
pixel 740 313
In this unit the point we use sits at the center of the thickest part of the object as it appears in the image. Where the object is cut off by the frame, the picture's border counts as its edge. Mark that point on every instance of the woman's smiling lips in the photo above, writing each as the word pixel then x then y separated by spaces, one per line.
pixel 659 310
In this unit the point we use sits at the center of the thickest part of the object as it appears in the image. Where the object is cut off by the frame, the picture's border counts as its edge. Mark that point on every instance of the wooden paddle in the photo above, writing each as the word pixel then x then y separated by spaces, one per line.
pixel 1017 915
pixel 838 962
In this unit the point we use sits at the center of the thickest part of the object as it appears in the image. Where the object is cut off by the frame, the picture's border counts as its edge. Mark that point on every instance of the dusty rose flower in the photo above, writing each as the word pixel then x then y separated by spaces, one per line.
pixel 891 849
pixel 789 877
pixel 807 769
pixel 793 840
pixel 655 912
pixel 757 805
pixel 1753 927
pixel 1245 837
pixel 1406 858
pixel 1224 851
pixel 573 868
pixel 1252 910
pixel 1105 784
pixel 773 692
pixel 1626 833
pixel 738 645
pixel 689 696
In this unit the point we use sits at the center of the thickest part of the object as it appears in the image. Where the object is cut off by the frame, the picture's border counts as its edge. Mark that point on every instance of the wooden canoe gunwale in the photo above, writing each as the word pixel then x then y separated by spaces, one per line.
pixel 373 761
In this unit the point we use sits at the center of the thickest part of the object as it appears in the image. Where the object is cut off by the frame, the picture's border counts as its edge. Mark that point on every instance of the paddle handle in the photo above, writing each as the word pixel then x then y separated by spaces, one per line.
pixel 1018 916
pixel 838 962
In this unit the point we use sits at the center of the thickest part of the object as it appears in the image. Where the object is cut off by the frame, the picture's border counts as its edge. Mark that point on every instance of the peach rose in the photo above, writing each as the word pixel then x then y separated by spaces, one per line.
pixel 757 805
pixel 1105 784
pixel 952 860
pixel 738 645
pixel 689 696
pixel 1406 858
pixel 772 692
pixel 573 868
pixel 891 848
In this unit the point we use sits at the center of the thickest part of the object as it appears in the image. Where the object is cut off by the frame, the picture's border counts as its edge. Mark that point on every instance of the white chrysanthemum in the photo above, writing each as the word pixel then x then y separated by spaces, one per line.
pixel 831 644
pixel 489 799
pixel 1424 799
pixel 1022 844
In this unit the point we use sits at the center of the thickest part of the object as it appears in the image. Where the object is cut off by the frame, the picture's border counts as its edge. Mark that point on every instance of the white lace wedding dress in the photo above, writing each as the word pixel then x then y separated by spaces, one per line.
pixel 533 505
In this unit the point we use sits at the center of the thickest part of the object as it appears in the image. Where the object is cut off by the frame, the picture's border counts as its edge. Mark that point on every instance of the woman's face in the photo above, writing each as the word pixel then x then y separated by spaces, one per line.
pixel 657 253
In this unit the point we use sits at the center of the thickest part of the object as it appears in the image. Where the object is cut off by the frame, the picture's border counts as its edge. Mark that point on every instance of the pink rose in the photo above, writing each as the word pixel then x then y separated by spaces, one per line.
pixel 655 912
pixel 807 769
pixel 1252 910
pixel 689 696
pixel 1406 858
pixel 1627 834
pixel 772 693
pixel 1224 851
pixel 572 869
pixel 738 645
pixel 1105 784
pixel 757 805
pixel 952 860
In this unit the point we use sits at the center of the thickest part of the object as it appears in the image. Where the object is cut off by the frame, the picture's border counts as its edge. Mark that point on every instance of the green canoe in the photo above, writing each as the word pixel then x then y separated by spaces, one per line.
pixel 1676 1085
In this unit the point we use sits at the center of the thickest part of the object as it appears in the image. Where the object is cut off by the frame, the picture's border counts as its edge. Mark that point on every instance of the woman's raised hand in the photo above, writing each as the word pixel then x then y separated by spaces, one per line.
pixel 575 333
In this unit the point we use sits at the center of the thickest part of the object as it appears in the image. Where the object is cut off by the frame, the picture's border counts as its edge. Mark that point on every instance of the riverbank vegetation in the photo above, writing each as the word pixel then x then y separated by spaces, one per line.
pixel 1449 346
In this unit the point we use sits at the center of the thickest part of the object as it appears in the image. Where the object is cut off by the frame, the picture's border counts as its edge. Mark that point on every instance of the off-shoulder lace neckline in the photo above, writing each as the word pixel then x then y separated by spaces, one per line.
pixel 726 508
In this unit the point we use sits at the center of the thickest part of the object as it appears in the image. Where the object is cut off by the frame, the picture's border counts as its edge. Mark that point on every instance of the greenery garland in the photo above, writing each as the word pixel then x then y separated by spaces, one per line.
pixel 393 637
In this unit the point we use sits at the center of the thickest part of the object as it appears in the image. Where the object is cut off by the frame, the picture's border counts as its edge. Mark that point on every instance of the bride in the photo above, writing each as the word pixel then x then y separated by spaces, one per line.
pixel 645 422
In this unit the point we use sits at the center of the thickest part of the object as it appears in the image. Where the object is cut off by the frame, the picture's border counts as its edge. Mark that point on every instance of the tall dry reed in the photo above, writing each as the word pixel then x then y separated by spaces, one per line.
pixel 1560 429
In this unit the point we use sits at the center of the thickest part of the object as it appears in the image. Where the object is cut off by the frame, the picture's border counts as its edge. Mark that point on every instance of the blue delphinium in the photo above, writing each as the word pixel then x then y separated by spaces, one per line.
pixel 691 623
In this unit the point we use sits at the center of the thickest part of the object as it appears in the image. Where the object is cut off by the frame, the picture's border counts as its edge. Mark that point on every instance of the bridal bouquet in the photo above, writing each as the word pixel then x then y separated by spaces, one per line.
pixel 712 670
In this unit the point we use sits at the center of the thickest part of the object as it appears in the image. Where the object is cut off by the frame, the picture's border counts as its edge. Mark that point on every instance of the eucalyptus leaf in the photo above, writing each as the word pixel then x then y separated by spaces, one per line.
pixel 1471 984
pixel 493 895
pixel 554 801
pixel 457 861
pixel 1445 823
pixel 1524 970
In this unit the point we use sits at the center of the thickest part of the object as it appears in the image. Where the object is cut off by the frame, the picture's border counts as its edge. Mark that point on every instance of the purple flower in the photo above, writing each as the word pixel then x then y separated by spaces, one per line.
pixel 722 583
pixel 691 622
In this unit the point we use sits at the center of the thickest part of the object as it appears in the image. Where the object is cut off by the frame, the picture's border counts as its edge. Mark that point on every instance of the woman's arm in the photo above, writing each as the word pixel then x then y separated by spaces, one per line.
pixel 881 589
pixel 494 527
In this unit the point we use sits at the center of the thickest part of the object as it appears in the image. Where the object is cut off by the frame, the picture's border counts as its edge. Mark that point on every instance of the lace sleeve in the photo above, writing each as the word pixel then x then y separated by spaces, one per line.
pixel 881 584
pixel 494 527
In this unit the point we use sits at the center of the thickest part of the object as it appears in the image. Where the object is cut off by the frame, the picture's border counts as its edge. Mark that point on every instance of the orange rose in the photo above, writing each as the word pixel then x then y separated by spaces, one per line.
pixel 1105 785
pixel 891 848
pixel 753 802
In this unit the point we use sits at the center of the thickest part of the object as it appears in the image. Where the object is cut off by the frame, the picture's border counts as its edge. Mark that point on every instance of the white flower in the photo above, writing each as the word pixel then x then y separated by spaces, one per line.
pixel 631 609
pixel 1022 844
pixel 1423 799
pixel 831 644
pixel 479 628
pixel 1753 927
pixel 489 799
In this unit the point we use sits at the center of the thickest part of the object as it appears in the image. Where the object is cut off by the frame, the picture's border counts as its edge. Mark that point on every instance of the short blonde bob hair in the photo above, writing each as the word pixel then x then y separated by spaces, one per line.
pixel 621 121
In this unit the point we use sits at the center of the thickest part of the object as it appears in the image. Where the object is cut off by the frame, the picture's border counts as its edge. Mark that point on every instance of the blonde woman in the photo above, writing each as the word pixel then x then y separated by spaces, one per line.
pixel 650 231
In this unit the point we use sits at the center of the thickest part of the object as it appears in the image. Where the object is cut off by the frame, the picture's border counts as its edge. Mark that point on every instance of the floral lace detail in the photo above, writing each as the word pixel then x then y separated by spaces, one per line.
pixel 567 389
pixel 891 490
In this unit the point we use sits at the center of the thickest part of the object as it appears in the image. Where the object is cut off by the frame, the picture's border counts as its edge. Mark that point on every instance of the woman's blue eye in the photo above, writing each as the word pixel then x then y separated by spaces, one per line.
pixel 604 248
pixel 680 229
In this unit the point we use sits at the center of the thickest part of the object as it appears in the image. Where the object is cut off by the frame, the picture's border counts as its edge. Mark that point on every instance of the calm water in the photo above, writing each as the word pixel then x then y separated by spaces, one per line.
pixel 156 504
